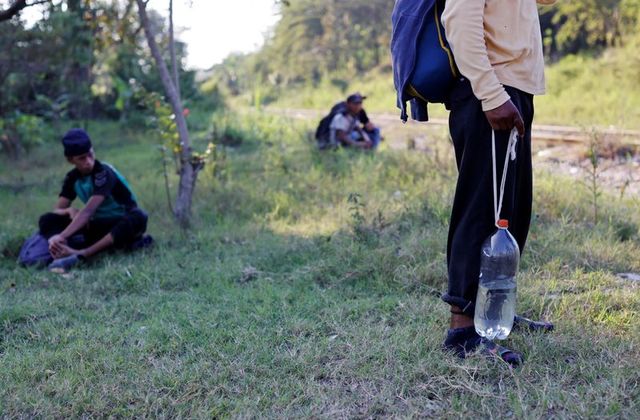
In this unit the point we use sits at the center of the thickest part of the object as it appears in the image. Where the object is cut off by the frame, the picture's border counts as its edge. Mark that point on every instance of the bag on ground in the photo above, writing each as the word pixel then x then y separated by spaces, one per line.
pixel 35 252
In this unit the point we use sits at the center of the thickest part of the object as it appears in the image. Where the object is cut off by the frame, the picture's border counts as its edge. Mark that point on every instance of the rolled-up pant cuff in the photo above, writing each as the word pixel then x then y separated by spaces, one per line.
pixel 468 307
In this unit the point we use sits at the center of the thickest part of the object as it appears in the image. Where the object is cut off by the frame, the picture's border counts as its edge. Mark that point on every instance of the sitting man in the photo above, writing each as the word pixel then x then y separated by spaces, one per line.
pixel 110 218
pixel 345 128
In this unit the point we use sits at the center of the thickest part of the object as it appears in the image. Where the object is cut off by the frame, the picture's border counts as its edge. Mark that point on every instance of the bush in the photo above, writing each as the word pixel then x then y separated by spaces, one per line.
pixel 21 132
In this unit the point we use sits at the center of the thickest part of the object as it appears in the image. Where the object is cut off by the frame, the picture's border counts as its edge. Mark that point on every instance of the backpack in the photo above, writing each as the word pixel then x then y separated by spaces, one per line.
pixel 424 66
pixel 35 252
pixel 323 132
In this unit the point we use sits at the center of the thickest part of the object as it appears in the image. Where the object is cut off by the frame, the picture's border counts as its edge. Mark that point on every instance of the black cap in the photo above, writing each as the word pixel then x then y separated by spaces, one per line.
pixel 76 142
pixel 356 98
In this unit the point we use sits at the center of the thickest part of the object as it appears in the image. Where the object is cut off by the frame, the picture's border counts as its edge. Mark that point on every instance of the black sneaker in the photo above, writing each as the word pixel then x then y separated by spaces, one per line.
pixel 462 341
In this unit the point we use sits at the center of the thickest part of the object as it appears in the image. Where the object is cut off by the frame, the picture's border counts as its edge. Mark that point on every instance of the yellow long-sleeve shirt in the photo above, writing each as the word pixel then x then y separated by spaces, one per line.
pixel 497 43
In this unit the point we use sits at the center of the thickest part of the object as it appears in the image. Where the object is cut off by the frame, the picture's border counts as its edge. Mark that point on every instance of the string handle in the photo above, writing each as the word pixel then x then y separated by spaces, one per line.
pixel 511 155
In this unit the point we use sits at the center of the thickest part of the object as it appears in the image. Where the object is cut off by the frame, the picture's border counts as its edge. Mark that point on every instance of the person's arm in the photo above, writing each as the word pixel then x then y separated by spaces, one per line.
pixel 103 183
pixel 66 197
pixel 344 138
pixel 62 204
pixel 81 219
pixel 365 136
pixel 343 127
pixel 464 25
pixel 363 117
pixel 63 207
pixel 57 242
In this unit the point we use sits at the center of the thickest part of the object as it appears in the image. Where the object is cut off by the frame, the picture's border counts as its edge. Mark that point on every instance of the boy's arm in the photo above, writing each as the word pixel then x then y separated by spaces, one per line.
pixel 80 221
pixel 63 206
pixel 63 203
pixel 103 183
pixel 67 195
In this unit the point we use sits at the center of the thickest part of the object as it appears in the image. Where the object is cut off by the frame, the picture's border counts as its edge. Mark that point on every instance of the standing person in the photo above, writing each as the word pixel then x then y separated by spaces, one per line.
pixel 497 46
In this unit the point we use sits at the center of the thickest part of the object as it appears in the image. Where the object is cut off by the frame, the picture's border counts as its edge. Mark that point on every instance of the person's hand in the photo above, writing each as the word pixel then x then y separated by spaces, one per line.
pixel 56 244
pixel 365 144
pixel 505 118
pixel 63 250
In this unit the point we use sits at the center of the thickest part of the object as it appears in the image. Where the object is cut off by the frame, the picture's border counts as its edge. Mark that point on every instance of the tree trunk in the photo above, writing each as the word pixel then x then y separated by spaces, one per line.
pixel 188 170
pixel 172 51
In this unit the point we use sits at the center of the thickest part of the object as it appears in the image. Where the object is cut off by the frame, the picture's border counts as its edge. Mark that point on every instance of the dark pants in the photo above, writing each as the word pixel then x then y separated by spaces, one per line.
pixel 472 217
pixel 125 230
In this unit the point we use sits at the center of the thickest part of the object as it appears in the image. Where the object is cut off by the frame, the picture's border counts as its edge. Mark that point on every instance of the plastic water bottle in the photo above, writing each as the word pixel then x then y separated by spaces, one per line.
pixel 496 300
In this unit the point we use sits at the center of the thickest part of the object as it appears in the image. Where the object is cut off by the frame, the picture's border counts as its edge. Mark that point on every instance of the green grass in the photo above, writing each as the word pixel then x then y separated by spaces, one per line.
pixel 284 302
pixel 581 90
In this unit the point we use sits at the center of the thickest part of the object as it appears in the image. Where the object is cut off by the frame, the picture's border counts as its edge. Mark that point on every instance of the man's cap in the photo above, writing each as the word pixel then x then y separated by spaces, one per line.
pixel 356 98
pixel 76 142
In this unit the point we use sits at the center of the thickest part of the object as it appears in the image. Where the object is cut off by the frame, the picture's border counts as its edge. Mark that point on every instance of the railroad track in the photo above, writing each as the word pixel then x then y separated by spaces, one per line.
pixel 545 133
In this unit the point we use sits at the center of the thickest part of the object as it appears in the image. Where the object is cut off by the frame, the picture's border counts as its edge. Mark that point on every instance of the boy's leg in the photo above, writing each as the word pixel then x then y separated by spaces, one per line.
pixel 122 234
pixel 113 233
pixel 472 218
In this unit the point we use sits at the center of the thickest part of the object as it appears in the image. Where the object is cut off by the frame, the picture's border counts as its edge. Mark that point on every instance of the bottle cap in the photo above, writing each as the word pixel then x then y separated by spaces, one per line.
pixel 503 224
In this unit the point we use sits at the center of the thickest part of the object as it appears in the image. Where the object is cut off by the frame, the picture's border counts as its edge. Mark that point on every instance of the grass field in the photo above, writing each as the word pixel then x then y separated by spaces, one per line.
pixel 287 300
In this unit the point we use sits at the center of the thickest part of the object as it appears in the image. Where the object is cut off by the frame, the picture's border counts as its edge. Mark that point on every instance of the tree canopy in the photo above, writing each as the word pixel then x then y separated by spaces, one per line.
pixel 81 59
pixel 342 39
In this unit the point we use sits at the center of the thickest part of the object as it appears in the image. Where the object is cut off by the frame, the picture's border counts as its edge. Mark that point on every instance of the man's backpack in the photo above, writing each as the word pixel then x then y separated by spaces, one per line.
pixel 323 132
pixel 424 67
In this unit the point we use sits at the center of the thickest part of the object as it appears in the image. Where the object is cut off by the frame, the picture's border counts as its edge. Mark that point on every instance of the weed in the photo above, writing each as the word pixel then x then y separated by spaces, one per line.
pixel 593 183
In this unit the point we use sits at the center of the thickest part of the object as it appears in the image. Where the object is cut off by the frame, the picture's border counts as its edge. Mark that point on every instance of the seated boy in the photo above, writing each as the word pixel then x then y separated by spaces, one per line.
pixel 110 218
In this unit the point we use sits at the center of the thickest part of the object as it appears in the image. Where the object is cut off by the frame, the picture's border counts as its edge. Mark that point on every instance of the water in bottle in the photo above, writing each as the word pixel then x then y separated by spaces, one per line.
pixel 496 300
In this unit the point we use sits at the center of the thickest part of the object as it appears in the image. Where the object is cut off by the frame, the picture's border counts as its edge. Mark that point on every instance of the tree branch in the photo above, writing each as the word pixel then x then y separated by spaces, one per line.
pixel 16 7
pixel 13 10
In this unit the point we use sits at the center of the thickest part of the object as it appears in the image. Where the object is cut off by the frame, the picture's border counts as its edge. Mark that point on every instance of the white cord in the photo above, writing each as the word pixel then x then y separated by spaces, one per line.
pixel 511 155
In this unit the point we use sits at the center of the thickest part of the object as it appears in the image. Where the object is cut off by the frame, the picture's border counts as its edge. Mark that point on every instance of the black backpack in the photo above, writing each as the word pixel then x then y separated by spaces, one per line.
pixel 323 132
